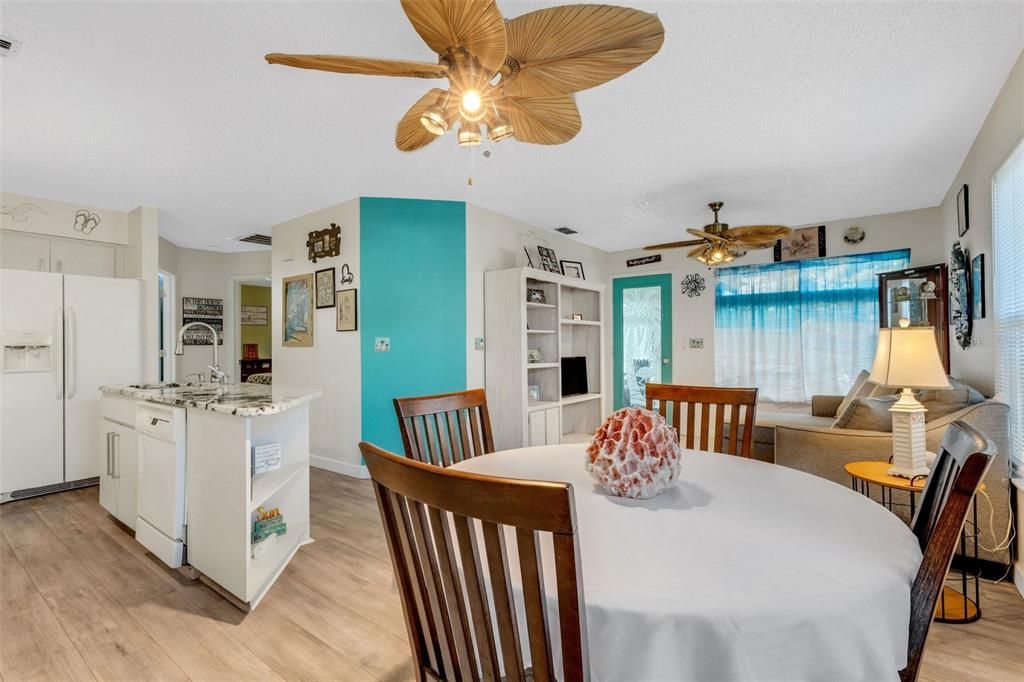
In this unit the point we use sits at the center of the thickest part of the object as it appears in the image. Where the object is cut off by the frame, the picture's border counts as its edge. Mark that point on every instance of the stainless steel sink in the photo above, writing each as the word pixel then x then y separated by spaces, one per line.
pixel 155 386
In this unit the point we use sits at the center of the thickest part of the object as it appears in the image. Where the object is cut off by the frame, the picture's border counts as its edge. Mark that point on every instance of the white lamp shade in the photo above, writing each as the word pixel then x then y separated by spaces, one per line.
pixel 909 358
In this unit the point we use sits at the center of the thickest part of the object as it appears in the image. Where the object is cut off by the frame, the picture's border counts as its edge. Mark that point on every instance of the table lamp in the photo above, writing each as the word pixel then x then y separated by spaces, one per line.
pixel 908 358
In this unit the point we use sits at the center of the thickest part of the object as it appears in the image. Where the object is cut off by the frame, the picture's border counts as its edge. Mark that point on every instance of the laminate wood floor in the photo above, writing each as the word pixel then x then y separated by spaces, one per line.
pixel 80 599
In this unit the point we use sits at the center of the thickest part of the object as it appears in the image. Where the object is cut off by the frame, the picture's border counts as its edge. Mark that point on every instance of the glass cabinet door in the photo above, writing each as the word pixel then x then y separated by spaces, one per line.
pixel 918 295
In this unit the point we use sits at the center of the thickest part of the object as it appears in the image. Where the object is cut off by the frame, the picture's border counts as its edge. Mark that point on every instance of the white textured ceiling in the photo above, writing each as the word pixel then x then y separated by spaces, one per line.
pixel 793 113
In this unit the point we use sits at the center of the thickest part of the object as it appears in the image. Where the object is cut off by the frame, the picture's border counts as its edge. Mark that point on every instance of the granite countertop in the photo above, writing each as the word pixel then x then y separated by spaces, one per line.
pixel 241 400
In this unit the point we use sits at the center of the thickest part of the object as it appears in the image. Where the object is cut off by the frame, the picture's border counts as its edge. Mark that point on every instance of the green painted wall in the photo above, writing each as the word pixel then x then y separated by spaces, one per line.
pixel 412 256
pixel 251 334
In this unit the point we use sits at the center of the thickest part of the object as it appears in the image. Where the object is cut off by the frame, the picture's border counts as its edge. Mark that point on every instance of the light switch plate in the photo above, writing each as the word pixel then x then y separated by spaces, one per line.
pixel 382 344
pixel 697 343
pixel 478 343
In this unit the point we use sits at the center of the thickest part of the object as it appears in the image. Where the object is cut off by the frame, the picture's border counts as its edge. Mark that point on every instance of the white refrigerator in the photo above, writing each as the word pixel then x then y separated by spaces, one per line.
pixel 61 338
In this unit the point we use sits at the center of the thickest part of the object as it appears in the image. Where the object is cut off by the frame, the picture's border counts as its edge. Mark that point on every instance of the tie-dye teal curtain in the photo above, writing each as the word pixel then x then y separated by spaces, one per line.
pixel 799 328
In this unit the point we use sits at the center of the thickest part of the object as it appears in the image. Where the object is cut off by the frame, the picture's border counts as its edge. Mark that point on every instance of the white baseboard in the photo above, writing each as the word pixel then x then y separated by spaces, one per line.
pixel 343 468
pixel 1018 577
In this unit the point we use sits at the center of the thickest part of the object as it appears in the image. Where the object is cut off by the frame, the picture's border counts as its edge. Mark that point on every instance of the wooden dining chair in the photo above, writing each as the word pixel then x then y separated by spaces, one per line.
pixel 446 531
pixel 963 459
pixel 741 404
pixel 446 428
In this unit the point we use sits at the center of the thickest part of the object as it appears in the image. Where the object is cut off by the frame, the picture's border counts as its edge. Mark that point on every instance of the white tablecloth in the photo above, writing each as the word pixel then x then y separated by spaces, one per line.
pixel 742 571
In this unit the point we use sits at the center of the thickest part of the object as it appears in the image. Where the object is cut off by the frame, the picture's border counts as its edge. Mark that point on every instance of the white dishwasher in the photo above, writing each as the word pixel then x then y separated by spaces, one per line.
pixel 161 515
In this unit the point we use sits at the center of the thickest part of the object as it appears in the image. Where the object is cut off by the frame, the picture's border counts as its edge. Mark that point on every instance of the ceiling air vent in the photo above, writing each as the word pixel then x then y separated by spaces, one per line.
pixel 566 230
pixel 261 239
pixel 8 46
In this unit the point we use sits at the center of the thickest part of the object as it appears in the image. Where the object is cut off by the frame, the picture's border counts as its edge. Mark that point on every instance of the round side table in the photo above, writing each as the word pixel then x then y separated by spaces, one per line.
pixel 955 606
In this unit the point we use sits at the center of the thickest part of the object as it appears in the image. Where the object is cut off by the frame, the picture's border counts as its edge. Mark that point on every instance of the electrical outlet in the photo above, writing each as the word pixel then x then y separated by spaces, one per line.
pixel 697 343
pixel 478 343
pixel 382 344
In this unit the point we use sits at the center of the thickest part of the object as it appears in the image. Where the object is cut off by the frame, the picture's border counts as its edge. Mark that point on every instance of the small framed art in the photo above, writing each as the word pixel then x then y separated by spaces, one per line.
pixel 347 311
pixel 572 268
pixel 297 310
pixel 325 288
pixel 963 217
pixel 548 259
pixel 978 286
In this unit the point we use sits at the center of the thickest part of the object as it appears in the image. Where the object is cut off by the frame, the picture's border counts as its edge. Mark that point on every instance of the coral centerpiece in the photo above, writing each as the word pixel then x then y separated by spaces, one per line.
pixel 634 453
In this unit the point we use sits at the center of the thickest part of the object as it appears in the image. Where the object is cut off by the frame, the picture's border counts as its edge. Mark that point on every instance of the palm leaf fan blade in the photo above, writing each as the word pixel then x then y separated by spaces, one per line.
pixel 566 49
pixel 476 25
pixel 365 66
pixel 410 134
pixel 543 120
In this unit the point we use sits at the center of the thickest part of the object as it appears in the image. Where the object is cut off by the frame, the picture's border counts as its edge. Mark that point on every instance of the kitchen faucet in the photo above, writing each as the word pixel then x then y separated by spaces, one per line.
pixel 216 376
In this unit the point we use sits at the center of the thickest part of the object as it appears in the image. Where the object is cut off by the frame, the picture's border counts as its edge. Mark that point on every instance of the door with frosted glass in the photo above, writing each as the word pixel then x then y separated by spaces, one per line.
pixel 642 336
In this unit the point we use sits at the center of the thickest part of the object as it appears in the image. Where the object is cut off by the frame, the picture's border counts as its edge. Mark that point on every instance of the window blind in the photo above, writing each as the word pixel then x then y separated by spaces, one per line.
pixel 1008 294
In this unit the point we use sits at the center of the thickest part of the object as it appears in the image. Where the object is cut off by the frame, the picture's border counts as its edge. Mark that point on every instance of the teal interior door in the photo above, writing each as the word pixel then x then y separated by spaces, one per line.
pixel 641 336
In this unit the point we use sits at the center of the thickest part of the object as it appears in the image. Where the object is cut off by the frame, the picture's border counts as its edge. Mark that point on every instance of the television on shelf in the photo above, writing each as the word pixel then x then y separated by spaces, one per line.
pixel 574 376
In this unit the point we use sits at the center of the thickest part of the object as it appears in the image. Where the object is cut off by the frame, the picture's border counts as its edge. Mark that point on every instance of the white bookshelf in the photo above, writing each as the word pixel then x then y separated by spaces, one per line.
pixel 512 326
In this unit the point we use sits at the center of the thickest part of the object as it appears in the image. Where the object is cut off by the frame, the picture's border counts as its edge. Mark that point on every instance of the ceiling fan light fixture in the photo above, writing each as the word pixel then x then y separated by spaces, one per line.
pixel 499 129
pixel 469 135
pixel 435 117
pixel 471 105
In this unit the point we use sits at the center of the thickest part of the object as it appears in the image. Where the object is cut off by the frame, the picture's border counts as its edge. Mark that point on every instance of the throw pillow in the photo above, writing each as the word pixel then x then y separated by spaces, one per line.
pixel 940 403
pixel 868 414
pixel 856 391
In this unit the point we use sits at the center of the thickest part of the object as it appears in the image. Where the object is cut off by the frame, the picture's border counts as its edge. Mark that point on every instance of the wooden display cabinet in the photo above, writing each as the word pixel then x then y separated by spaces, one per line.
pixel 920 295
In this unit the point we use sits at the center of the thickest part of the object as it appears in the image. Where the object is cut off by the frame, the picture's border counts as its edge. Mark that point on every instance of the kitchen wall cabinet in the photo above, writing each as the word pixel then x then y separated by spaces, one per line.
pixel 25 251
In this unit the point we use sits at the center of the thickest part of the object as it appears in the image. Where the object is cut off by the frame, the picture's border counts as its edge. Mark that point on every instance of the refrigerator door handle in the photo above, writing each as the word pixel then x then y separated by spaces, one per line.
pixel 57 355
pixel 70 330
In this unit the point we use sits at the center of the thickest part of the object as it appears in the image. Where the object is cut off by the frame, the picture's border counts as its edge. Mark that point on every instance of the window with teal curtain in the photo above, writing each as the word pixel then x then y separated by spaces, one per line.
pixel 799 328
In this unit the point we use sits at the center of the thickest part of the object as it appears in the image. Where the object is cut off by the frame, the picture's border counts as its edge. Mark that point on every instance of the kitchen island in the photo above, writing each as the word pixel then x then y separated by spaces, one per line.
pixel 214 428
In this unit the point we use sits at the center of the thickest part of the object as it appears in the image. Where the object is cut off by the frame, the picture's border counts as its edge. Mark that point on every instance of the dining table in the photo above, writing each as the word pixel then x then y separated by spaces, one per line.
pixel 741 570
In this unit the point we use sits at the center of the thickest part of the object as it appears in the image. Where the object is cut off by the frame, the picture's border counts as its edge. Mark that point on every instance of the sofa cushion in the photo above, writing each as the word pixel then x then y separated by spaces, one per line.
pixel 860 388
pixel 867 414
pixel 764 427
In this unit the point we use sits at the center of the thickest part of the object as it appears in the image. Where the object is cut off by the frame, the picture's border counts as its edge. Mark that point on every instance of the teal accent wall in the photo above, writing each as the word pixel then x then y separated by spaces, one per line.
pixel 412 259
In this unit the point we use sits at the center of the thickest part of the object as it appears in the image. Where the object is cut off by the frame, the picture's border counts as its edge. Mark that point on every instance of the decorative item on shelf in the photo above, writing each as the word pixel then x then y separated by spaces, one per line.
pixel 963 216
pixel 853 235
pixel 347 306
pixel 254 315
pixel 266 457
pixel 325 288
pixel 208 310
pixel 807 242
pixel 346 275
pixel 692 285
pixel 634 453
pixel 297 310
pixel 577 317
pixel 900 294
pixel 268 523
pixel 960 295
pixel 572 268
pixel 643 260
pixel 533 390
pixel 978 286
pixel 86 221
pixel 533 355
pixel 548 259
pixel 324 243
pixel 529 261
pixel 928 291
pixel 250 351
pixel 908 358
pixel 536 296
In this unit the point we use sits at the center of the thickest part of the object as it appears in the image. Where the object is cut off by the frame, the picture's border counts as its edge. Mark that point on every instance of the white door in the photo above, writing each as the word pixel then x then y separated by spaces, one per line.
pixel 124 459
pixel 31 402
pixel 22 251
pixel 103 339
pixel 80 257
pixel 108 484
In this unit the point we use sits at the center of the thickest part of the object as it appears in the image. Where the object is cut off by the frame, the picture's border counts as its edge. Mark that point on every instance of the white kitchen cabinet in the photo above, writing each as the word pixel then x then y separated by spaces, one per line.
pixel 119 468
pixel 80 257
pixel 23 251
pixel 544 427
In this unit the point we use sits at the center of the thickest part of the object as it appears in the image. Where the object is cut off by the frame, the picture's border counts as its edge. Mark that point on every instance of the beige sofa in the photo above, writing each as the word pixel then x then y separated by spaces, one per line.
pixel 808 442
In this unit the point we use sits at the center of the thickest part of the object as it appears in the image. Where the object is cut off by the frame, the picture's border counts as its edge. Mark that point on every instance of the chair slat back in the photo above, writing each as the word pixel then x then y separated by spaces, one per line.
pixel 963 459
pixel 446 428
pixel 446 532
pixel 717 419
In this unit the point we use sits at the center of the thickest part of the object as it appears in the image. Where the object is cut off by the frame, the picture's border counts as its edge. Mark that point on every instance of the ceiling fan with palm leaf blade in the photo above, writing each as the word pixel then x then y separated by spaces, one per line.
pixel 515 77
pixel 718 243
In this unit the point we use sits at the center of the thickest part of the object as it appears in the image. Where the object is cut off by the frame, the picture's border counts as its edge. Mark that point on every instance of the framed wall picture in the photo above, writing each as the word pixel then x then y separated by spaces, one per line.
pixel 347 311
pixel 208 310
pixel 807 242
pixel 978 286
pixel 297 298
pixel 254 315
pixel 572 268
pixel 548 259
pixel 324 243
pixel 325 288
pixel 963 217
